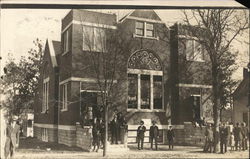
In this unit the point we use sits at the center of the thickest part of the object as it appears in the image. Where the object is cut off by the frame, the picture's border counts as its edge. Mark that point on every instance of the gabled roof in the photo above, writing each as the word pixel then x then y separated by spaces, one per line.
pixel 242 89
pixel 143 14
pixel 148 14
pixel 57 46
pixel 54 48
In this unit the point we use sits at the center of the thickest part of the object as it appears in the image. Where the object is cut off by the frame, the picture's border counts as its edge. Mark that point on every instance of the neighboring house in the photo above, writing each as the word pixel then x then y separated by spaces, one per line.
pixel 241 100
pixel 27 125
pixel 163 76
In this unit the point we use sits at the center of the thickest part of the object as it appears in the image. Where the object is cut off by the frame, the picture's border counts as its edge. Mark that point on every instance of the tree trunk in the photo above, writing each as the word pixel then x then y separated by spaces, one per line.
pixel 216 105
pixel 106 130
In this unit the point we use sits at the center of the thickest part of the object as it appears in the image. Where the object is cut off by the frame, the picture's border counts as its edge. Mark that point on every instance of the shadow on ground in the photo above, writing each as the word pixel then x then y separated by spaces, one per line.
pixel 36 145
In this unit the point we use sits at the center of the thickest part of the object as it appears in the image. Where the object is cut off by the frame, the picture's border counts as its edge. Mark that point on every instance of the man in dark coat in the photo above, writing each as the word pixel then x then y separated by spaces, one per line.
pixel 154 134
pixel 114 130
pixel 96 134
pixel 170 136
pixel 237 136
pixel 209 137
pixel 140 135
pixel 120 121
pixel 223 138
pixel 244 136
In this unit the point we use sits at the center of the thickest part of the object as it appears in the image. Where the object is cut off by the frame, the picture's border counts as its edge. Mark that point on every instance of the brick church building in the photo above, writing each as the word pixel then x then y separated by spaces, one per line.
pixel 163 75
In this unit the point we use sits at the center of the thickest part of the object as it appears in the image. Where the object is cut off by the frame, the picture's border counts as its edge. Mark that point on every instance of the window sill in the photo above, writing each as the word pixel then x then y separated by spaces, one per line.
pixel 202 61
pixel 95 51
pixel 44 112
pixel 65 53
pixel 64 110
pixel 146 37
pixel 145 110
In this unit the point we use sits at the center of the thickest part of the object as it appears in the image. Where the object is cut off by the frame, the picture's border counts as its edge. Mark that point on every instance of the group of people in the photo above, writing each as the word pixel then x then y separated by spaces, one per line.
pixel 153 135
pixel 12 138
pixel 236 137
pixel 117 125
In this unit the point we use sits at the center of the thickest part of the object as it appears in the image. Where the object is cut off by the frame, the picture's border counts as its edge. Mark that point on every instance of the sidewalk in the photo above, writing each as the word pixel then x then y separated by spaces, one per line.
pixel 163 152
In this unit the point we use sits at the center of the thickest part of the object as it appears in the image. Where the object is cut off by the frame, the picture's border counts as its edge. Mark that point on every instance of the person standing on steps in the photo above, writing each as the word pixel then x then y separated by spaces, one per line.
pixel 140 135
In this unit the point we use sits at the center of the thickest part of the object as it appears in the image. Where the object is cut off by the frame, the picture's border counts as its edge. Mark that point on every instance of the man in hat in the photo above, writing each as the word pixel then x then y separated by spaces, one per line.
pixel 140 135
pixel 244 136
pixel 170 136
pixel 153 134
pixel 223 138
pixel 114 130
pixel 237 136
pixel 209 139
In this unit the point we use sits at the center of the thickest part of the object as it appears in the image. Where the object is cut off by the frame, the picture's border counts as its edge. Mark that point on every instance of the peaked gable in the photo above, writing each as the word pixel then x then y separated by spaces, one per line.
pixel 242 89
pixel 141 14
pixel 53 49
pixel 147 14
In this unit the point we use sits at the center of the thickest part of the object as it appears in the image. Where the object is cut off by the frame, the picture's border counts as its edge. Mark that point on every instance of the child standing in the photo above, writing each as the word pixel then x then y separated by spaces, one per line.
pixel 232 142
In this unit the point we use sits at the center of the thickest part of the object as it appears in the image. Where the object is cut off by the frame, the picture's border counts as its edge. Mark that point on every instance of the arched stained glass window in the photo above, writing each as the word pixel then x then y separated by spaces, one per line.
pixel 145 86
pixel 144 59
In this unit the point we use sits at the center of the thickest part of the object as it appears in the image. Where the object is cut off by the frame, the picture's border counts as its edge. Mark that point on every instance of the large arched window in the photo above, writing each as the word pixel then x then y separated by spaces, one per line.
pixel 145 86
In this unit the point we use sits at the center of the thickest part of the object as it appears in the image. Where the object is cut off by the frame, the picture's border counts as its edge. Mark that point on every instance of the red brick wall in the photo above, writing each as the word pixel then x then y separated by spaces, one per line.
pixel 47 71
pixel 186 72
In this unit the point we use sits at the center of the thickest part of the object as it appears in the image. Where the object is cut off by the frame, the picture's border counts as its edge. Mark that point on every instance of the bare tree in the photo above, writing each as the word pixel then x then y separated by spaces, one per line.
pixel 216 29
pixel 106 49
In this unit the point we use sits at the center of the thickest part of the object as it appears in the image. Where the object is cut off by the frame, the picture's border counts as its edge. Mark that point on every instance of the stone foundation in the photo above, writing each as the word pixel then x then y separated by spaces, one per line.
pixel 37 132
pixel 67 137
pixel 52 133
pixel 194 136
pixel 189 135
pixel 84 137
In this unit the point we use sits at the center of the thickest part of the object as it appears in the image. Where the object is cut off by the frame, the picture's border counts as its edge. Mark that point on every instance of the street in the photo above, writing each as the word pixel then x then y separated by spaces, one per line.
pixel 33 148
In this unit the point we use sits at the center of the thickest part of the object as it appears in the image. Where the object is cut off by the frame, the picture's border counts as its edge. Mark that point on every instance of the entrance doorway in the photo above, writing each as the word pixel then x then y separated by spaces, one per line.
pixel 192 108
pixel 88 107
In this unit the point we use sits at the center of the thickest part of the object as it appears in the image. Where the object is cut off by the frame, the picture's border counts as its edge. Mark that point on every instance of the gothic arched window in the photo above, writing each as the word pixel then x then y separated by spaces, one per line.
pixel 145 86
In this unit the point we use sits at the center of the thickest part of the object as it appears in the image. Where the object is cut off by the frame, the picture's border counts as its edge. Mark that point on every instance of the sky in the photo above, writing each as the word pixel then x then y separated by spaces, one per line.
pixel 19 27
